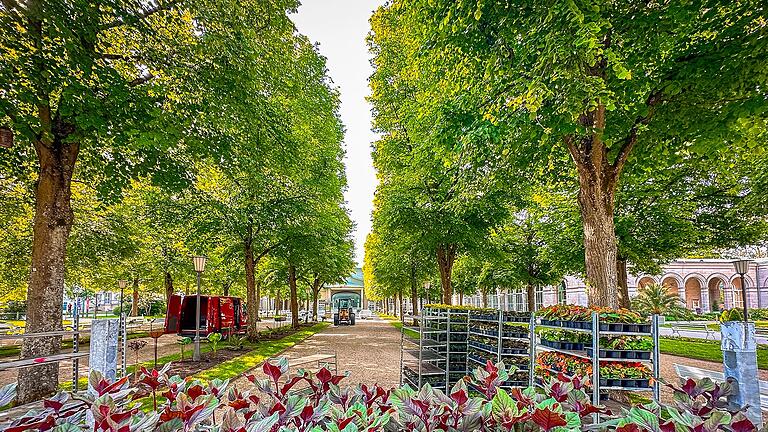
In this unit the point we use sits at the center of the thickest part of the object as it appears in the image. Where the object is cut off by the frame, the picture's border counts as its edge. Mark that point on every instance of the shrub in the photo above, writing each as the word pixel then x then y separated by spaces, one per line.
pixel 276 406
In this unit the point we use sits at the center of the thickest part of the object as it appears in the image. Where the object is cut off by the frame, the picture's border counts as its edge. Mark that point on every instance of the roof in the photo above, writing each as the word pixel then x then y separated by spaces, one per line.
pixel 355 279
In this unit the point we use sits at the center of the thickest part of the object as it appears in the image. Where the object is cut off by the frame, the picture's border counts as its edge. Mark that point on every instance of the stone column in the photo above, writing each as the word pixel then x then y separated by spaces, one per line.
pixel 740 366
pixel 103 352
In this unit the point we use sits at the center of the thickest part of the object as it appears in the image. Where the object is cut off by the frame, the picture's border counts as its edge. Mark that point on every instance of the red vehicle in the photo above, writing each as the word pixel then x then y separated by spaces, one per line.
pixel 218 314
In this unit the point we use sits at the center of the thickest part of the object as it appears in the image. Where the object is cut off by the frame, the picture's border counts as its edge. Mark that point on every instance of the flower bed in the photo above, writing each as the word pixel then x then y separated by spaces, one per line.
pixel 558 405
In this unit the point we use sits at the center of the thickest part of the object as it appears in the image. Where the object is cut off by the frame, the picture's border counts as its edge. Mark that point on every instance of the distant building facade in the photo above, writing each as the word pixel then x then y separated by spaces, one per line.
pixel 704 285
pixel 352 288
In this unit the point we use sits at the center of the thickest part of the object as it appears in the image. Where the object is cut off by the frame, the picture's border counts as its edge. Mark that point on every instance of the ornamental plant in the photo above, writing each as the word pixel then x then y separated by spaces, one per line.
pixel 309 402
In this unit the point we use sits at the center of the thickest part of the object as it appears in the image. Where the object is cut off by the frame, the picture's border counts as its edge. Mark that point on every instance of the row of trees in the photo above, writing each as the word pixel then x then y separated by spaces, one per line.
pixel 524 141
pixel 138 134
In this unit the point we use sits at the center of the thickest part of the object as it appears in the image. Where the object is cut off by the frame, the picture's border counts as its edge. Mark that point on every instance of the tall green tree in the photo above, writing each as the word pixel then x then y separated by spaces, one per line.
pixel 610 84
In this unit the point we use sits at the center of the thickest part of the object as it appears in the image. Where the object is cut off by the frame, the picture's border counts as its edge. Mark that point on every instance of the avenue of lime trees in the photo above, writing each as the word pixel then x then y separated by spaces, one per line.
pixel 138 134
pixel 523 141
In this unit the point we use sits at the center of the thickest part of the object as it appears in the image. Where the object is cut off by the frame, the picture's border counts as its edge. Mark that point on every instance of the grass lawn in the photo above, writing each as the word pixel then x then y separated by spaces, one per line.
pixel 254 354
pixel 408 332
pixel 13 351
pixel 704 350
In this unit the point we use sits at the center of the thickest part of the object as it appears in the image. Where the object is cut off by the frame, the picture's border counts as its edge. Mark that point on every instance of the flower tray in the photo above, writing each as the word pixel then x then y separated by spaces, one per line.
pixel 622 354
pixel 625 382
pixel 519 335
pixel 514 351
pixel 570 346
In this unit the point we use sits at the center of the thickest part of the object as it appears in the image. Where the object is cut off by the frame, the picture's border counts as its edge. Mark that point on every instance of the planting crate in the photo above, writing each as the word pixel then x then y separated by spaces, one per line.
pixel 627 364
pixel 569 346
pixel 621 354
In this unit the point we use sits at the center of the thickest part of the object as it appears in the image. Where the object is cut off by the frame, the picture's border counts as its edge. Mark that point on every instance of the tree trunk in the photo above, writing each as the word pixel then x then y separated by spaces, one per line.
pixel 168 282
pixel 135 305
pixel 294 296
pixel 597 186
pixel 225 288
pixel 414 294
pixel 446 255
pixel 531 297
pixel 402 308
pixel 461 298
pixel 52 225
pixel 251 296
pixel 316 286
pixel 485 299
pixel 386 306
pixel 621 276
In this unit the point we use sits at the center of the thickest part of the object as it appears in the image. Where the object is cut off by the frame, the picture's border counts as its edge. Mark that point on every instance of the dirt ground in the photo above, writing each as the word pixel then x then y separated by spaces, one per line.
pixel 369 351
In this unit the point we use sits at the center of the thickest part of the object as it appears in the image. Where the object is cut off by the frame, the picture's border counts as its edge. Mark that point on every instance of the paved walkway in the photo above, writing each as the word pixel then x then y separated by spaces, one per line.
pixel 369 350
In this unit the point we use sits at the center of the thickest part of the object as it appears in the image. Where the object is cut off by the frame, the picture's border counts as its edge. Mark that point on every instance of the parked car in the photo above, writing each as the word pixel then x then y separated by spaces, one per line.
pixel 365 314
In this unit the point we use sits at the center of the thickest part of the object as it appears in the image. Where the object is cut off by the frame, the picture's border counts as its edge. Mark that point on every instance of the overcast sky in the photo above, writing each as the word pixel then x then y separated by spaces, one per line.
pixel 340 27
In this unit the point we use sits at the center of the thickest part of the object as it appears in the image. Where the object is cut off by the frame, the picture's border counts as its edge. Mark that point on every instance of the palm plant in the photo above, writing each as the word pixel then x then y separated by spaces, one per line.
pixel 656 299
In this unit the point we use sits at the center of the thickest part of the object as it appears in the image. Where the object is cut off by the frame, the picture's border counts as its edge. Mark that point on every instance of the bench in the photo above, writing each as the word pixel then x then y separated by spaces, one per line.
pixel 686 372
pixel 677 326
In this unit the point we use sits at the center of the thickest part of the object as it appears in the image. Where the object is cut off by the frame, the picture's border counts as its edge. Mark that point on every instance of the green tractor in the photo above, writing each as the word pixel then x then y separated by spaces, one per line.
pixel 345 313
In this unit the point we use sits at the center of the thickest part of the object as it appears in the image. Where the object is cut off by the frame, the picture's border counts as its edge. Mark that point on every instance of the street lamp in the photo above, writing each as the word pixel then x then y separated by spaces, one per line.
pixel 742 267
pixel 122 283
pixel 199 262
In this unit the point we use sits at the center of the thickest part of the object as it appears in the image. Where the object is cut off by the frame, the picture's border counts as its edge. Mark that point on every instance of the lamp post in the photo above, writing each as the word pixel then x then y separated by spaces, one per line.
pixel 122 283
pixel 742 267
pixel 199 262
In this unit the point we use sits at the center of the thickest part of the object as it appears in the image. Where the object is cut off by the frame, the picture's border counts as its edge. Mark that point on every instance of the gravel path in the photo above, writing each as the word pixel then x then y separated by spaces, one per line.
pixel 369 351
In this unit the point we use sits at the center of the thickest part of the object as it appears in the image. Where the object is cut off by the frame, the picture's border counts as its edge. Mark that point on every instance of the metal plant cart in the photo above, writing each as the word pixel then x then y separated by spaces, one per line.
pixel 456 354
pixel 423 358
pixel 502 336
pixel 597 355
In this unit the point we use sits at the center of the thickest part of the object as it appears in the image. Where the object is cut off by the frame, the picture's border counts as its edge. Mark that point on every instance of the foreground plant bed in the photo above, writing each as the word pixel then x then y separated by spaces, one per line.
pixel 317 403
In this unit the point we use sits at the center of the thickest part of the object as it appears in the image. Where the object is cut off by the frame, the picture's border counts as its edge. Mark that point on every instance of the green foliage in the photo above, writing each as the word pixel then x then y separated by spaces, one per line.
pixel 214 339
pixel 656 299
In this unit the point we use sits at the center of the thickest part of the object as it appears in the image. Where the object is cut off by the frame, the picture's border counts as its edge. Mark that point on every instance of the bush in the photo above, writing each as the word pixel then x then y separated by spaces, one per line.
pixel 192 405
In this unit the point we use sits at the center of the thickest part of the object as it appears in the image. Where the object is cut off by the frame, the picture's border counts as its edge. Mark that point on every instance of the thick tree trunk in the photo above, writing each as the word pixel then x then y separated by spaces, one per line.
pixel 597 187
pixel 294 296
pixel 446 255
pixel 135 305
pixel 621 276
pixel 168 283
pixel 531 297
pixel 50 231
pixel 485 299
pixel 402 306
pixel 461 298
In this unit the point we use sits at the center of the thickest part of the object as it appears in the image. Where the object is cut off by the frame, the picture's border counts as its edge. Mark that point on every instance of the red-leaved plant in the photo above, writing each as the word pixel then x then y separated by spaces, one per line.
pixel 316 403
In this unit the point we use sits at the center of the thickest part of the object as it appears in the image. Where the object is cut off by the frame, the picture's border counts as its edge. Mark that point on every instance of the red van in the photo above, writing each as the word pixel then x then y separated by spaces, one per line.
pixel 218 314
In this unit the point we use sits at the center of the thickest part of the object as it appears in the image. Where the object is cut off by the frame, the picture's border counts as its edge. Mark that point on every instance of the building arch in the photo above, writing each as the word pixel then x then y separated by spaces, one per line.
pixel 693 285
pixel 735 291
pixel 645 280
pixel 717 286
pixel 672 283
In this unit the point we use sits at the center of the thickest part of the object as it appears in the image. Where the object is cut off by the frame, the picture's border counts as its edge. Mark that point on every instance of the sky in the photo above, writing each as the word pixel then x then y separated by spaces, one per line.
pixel 340 27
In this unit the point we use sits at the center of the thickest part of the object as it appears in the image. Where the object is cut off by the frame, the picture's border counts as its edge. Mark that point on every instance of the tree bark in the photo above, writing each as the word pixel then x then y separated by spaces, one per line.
pixel 402 308
pixel 446 255
pixel 414 294
pixel 621 276
pixel 531 297
pixel 597 188
pixel 52 225
pixel 294 296
pixel 251 295
pixel 316 286
pixel 135 305
pixel 168 282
